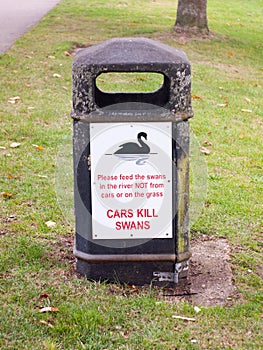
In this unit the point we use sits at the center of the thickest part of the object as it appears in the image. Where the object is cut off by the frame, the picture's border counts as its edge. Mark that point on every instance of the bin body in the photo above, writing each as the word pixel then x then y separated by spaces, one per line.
pixel 144 239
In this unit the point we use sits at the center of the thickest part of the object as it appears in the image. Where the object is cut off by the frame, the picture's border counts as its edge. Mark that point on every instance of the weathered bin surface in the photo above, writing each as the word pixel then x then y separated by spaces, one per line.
pixel 135 249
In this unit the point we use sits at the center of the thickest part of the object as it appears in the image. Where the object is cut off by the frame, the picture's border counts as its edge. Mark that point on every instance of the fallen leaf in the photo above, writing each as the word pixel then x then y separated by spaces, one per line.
pixel 205 150
pixel 66 53
pixel 247 99
pixel 38 147
pixel 195 97
pixel 14 100
pixel 48 309
pixel 50 56
pixel 46 323
pixel 141 79
pixel 246 110
pixel 133 289
pixel 197 309
pixel 221 105
pixel 10 176
pixel 55 75
pixel 184 318
pixel 207 143
pixel 44 296
pixel 7 195
pixel 28 204
pixel 50 224
pixel 30 108
pixel 230 54
pixel 15 144
pixel 124 335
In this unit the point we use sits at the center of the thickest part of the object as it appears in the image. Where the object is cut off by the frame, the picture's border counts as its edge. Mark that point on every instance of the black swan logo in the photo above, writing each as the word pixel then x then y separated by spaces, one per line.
pixel 135 148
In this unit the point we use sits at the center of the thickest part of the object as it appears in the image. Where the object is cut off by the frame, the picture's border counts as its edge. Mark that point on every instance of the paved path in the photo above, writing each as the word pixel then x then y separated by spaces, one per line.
pixel 17 16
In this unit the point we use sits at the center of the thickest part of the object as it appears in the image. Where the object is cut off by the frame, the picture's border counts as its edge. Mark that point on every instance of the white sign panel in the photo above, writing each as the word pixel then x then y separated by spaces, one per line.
pixel 131 180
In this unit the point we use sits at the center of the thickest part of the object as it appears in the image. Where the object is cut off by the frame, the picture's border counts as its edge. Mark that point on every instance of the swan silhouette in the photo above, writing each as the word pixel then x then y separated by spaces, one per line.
pixel 135 148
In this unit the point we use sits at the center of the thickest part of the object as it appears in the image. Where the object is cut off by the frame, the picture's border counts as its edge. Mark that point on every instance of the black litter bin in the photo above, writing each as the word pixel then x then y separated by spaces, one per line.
pixel 131 165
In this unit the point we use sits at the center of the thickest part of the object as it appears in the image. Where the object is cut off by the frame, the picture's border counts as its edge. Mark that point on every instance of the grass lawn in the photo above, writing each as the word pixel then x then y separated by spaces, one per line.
pixel 37 268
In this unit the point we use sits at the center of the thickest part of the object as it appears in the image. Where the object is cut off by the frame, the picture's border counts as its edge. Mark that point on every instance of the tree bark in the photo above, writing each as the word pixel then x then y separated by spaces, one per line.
pixel 191 16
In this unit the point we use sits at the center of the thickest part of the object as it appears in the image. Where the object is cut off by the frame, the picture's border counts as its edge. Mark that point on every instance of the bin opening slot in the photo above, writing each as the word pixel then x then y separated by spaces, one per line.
pixel 121 87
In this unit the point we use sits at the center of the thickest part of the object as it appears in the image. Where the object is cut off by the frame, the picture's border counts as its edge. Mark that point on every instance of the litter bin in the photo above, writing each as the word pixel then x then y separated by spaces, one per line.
pixel 131 165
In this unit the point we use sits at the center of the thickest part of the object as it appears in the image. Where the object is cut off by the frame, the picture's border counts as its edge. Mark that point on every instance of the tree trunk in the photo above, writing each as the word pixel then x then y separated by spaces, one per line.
pixel 191 16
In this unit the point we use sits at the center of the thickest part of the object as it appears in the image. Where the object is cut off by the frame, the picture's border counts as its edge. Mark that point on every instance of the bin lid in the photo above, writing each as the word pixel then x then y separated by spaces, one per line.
pixel 131 55
pixel 130 51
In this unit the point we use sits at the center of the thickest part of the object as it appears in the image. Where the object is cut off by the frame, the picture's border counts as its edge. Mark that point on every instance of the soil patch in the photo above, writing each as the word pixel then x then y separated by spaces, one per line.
pixel 210 278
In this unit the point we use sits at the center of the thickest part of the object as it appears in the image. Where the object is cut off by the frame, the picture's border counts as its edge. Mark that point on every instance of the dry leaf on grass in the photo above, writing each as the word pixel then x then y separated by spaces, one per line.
pixel 184 318
pixel 221 104
pixel 7 195
pixel 195 97
pixel 50 224
pixel 207 143
pixel 48 309
pixel 28 204
pixel 124 335
pixel 38 147
pixel 246 110
pixel 55 75
pixel 205 150
pixel 197 309
pixel 14 100
pixel 44 296
pixel 15 144
pixel 46 323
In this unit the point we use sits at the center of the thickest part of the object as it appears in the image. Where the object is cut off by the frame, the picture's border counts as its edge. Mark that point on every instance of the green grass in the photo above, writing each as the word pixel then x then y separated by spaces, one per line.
pixel 36 265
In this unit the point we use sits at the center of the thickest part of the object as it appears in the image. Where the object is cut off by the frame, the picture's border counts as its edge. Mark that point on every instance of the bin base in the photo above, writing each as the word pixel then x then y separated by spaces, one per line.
pixel 131 273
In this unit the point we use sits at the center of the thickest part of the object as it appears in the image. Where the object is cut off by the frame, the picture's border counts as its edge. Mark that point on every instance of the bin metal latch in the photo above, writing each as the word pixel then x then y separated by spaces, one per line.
pixel 179 267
